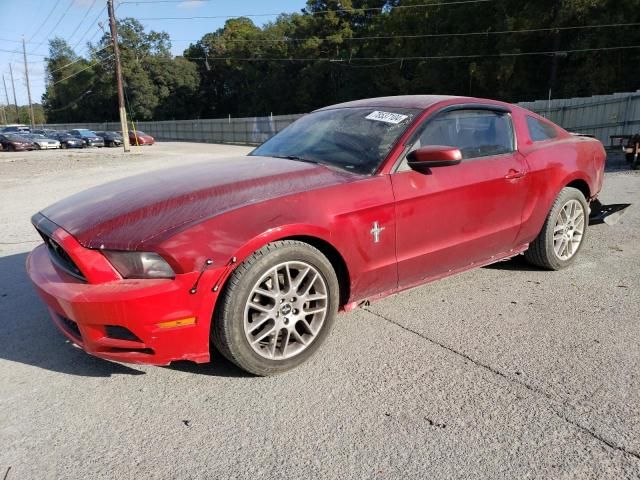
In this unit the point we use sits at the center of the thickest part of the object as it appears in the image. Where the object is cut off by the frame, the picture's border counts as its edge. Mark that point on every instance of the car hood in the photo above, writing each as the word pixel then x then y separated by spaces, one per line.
pixel 124 214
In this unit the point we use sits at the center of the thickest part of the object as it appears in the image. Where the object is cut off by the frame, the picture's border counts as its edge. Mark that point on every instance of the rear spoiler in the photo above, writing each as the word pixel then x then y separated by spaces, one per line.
pixel 575 134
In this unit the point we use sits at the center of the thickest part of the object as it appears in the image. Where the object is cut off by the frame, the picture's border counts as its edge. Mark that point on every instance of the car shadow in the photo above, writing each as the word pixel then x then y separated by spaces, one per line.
pixel 515 264
pixel 220 367
pixel 28 336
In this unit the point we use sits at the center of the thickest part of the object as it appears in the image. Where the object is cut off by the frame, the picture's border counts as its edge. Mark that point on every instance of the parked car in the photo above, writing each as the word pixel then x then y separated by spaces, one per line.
pixel 632 151
pixel 69 141
pixel 350 203
pixel 111 139
pixel 41 142
pixel 14 143
pixel 140 138
pixel 89 137
pixel 15 128
pixel 47 132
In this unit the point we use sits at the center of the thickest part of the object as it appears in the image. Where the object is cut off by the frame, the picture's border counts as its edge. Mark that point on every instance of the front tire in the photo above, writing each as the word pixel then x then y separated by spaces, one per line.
pixel 277 308
pixel 562 236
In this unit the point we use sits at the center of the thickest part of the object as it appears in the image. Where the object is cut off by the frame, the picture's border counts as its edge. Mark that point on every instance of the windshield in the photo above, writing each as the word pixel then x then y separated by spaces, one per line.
pixel 354 139
pixel 86 133
pixel 15 138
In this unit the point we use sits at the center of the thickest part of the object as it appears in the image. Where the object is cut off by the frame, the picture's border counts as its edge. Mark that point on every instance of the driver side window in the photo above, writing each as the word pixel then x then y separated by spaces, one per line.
pixel 477 133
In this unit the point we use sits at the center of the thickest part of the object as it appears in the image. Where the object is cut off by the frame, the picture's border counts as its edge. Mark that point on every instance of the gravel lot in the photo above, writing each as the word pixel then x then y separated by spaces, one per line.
pixel 502 372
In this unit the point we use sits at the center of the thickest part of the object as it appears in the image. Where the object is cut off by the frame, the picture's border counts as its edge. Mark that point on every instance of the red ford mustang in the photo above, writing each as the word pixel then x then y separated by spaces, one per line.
pixel 352 202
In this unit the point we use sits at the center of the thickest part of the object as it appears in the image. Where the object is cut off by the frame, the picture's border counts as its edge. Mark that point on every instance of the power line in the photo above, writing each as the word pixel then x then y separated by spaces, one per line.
pixel 75 30
pixel 64 14
pixel 79 59
pixel 435 57
pixel 19 51
pixel 93 24
pixel 46 18
pixel 80 71
pixel 318 12
pixel 430 35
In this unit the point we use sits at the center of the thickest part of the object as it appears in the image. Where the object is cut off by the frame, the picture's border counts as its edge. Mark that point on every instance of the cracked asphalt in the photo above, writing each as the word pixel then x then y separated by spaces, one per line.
pixel 502 372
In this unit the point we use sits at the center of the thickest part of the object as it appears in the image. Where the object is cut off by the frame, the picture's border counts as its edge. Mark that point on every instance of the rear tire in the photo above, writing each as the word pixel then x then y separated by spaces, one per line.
pixel 277 308
pixel 563 234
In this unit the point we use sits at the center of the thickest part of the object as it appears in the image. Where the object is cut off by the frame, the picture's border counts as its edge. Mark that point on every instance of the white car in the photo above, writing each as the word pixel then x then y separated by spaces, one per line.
pixel 41 142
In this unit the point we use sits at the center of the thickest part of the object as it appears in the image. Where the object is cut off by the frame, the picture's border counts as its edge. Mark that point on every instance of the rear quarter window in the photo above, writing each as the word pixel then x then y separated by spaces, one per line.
pixel 540 131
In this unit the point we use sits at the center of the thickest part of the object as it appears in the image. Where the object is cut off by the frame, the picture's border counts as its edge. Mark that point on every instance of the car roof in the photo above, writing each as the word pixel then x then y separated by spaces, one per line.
pixel 421 102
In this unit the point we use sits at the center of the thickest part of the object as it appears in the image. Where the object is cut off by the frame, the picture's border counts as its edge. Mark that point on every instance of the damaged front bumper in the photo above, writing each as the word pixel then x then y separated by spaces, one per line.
pixel 134 321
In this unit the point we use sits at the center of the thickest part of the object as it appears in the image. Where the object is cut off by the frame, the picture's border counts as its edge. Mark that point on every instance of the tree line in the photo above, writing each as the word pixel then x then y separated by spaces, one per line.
pixel 339 50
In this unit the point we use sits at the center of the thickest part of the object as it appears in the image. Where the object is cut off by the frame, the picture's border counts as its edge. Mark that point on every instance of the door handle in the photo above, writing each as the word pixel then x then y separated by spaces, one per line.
pixel 514 174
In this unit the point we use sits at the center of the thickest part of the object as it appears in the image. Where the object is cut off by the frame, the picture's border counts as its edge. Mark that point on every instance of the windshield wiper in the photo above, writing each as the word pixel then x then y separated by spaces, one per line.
pixel 298 159
pixel 316 162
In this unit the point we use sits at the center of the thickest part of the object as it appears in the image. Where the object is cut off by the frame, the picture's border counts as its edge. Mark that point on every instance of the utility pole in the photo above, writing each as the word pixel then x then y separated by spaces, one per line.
pixel 15 100
pixel 3 115
pixel 6 94
pixel 26 74
pixel 116 54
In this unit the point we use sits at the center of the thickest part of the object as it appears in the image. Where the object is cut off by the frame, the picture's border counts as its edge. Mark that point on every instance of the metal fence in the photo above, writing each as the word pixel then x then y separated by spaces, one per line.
pixel 243 131
pixel 601 116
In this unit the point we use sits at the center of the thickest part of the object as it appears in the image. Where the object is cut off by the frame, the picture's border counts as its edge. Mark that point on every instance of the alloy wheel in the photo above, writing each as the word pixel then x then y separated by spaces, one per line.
pixel 569 230
pixel 285 310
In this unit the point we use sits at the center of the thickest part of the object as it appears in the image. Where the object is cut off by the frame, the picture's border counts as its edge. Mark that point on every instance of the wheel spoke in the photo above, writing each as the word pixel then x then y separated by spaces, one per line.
pixel 262 335
pixel 275 283
pixel 259 307
pixel 298 337
pixel 287 276
pixel 264 293
pixel 311 283
pixel 315 297
pixel 300 278
pixel 314 310
pixel 284 342
pixel 261 321
pixel 273 344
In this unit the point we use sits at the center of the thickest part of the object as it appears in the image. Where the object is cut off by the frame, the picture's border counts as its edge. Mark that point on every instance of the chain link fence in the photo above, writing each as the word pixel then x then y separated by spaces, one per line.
pixel 241 131
pixel 601 116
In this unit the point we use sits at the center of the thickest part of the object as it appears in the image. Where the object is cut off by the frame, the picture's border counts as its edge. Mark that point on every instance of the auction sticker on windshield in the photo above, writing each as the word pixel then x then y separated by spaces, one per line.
pixel 387 117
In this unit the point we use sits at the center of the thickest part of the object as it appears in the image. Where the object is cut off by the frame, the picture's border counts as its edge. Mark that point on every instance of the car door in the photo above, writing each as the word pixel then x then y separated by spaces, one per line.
pixel 452 217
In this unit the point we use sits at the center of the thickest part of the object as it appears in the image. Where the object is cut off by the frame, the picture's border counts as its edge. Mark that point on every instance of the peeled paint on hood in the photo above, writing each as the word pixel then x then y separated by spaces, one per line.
pixel 124 214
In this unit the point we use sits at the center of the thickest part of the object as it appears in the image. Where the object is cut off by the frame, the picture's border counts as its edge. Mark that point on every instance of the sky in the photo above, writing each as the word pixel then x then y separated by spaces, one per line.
pixel 78 21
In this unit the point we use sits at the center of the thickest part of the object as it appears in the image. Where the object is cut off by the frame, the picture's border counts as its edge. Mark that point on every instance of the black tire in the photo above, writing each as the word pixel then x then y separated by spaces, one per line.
pixel 227 331
pixel 63 145
pixel 541 251
pixel 36 146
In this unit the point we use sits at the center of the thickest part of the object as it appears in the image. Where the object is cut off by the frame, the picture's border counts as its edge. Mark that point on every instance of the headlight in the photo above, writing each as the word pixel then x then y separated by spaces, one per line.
pixel 139 264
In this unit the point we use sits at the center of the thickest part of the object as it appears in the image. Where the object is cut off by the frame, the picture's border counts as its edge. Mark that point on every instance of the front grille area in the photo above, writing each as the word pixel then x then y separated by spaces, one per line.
pixel 71 326
pixel 61 258
pixel 121 333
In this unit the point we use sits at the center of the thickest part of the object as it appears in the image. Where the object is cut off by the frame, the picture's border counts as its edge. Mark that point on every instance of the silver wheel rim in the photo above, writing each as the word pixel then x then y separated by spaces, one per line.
pixel 569 230
pixel 286 310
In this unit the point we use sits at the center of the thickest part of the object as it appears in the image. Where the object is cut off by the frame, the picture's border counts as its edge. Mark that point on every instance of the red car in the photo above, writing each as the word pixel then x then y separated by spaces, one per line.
pixel 140 138
pixel 352 202
pixel 15 143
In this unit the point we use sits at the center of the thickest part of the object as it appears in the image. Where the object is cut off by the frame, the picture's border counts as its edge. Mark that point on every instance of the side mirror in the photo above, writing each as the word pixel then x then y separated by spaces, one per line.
pixel 425 158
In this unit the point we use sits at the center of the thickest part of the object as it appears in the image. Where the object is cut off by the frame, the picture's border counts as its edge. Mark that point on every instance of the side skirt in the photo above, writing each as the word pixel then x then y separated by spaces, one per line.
pixel 495 259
